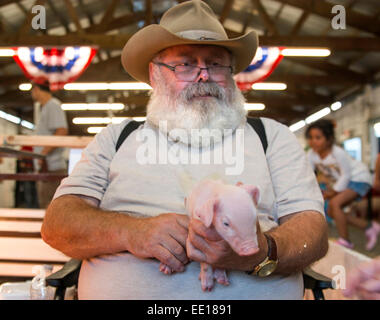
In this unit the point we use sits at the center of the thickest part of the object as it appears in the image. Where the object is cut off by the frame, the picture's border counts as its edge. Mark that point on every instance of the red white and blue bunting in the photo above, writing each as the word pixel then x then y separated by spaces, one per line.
pixel 262 65
pixel 57 66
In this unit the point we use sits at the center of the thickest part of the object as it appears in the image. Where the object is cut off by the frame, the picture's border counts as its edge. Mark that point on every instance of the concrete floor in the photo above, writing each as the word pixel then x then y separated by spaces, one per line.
pixel 358 238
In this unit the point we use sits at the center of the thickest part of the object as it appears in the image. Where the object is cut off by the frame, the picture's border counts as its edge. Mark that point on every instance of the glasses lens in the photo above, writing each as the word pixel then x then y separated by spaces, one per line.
pixel 186 73
pixel 219 73
pixel 190 73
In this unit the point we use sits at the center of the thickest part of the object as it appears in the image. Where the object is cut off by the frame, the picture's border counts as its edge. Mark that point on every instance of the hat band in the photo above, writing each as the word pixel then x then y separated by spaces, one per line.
pixel 200 35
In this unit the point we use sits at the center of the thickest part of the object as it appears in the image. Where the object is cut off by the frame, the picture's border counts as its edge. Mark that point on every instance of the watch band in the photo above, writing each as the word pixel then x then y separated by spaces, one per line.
pixel 272 247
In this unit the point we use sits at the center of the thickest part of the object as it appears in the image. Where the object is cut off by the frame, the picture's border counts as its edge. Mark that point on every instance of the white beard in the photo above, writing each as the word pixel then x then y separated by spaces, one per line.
pixel 225 110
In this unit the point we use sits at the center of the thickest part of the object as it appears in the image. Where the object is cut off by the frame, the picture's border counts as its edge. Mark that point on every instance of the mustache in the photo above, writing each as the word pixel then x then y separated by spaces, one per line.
pixel 203 89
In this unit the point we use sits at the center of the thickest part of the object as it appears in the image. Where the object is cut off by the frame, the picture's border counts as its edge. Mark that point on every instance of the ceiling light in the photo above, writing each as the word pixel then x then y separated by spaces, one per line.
pixel 10 117
pixel 92 106
pixel 296 126
pixel 86 86
pixel 254 106
pixel 98 120
pixel 27 124
pixel 269 86
pixel 318 115
pixel 336 106
pixel 25 86
pixel 139 118
pixel 6 52
pixel 305 52
pixel 94 129
pixel 107 86
pixel 129 86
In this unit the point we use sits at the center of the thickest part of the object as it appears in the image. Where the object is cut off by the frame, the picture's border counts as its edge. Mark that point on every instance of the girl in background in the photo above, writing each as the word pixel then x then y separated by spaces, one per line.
pixel 343 178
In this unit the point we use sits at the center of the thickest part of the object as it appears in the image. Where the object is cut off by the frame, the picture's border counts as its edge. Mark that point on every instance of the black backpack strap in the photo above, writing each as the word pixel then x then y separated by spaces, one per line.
pixel 131 126
pixel 258 126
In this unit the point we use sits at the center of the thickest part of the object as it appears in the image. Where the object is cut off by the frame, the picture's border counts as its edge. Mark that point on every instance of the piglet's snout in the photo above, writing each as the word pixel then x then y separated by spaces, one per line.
pixel 248 248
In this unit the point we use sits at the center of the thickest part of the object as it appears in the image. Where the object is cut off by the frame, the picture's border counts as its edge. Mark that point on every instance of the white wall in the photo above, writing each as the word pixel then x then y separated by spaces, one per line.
pixel 7 165
pixel 355 119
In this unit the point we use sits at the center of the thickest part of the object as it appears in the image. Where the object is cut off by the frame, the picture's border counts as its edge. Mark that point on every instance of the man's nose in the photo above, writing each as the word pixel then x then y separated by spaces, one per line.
pixel 203 76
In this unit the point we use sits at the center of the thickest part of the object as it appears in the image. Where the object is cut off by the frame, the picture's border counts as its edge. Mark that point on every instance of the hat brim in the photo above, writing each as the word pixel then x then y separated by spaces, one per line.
pixel 146 43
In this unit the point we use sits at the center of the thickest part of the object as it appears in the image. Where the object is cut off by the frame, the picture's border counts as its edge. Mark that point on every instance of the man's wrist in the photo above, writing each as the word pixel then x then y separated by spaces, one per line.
pixel 259 257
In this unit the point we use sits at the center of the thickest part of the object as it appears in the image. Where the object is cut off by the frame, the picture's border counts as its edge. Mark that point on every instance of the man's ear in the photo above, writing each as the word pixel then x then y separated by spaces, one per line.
pixel 253 191
pixel 207 212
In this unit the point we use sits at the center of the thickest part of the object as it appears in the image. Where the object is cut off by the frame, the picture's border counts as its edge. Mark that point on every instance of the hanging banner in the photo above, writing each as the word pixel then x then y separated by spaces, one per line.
pixel 57 66
pixel 262 65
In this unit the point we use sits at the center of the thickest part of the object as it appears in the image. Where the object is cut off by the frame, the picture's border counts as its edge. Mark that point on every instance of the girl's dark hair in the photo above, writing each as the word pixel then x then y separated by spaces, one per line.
pixel 326 127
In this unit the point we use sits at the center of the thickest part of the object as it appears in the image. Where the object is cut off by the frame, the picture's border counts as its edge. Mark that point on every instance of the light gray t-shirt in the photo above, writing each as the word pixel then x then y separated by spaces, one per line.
pixel 51 118
pixel 122 183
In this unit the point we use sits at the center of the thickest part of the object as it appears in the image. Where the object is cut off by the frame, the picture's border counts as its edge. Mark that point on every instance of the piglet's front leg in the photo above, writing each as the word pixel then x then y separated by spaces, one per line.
pixel 221 276
pixel 207 277
pixel 165 269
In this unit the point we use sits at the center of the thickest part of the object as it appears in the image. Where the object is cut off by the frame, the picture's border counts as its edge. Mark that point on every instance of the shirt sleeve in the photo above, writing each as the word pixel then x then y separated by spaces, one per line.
pixel 311 159
pixel 294 182
pixel 344 163
pixel 90 176
pixel 56 117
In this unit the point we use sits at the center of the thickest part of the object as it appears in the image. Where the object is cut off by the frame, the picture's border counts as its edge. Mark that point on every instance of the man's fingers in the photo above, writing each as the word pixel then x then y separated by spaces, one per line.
pixel 166 257
pixel 193 253
pixel 197 241
pixel 176 249
pixel 183 220
pixel 208 233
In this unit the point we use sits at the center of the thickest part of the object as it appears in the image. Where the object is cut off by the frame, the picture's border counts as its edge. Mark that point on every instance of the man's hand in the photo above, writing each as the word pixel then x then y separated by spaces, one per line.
pixel 206 245
pixel 364 282
pixel 162 237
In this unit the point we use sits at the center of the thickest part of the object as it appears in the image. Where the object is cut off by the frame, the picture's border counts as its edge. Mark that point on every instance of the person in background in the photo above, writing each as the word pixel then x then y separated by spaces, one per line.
pixel 52 121
pixel 364 281
pixel 358 213
pixel 343 178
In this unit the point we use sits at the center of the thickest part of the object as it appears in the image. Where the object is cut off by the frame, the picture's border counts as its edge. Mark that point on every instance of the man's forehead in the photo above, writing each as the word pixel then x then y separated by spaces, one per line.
pixel 193 50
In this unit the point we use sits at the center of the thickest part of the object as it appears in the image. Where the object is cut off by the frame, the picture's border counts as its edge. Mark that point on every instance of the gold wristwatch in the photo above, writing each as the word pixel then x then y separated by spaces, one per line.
pixel 269 264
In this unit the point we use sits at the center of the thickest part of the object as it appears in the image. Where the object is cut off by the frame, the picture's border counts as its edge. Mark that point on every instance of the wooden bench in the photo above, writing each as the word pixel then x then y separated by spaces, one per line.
pixel 21 245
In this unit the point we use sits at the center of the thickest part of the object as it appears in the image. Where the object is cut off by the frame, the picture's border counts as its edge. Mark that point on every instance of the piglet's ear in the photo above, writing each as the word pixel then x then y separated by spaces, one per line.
pixel 253 191
pixel 206 213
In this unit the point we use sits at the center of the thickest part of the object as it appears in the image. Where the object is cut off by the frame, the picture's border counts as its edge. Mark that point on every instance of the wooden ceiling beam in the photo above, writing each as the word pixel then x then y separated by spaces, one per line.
pixel 297 27
pixel 334 43
pixel 108 15
pixel 331 69
pixel 94 36
pixel 226 10
pixel 74 16
pixel 59 15
pixel 267 20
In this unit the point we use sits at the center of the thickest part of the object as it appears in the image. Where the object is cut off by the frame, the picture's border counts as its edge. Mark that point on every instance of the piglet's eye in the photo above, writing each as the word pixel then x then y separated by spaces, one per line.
pixel 226 224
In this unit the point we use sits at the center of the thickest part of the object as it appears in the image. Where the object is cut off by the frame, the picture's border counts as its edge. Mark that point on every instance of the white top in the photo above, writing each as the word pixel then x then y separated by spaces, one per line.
pixel 340 168
pixel 51 118
pixel 121 183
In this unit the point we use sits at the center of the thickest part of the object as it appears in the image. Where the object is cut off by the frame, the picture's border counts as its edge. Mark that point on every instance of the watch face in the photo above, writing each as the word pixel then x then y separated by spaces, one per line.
pixel 267 269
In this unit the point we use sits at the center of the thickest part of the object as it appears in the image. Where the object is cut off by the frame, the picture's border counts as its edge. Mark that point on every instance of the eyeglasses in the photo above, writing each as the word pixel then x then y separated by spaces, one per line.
pixel 190 73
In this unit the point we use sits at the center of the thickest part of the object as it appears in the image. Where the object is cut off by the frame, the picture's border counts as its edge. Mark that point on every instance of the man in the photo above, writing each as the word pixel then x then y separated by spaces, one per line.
pixel 124 216
pixel 52 121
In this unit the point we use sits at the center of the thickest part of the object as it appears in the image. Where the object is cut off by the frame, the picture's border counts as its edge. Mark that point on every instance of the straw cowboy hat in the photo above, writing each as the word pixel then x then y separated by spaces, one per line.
pixel 191 22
